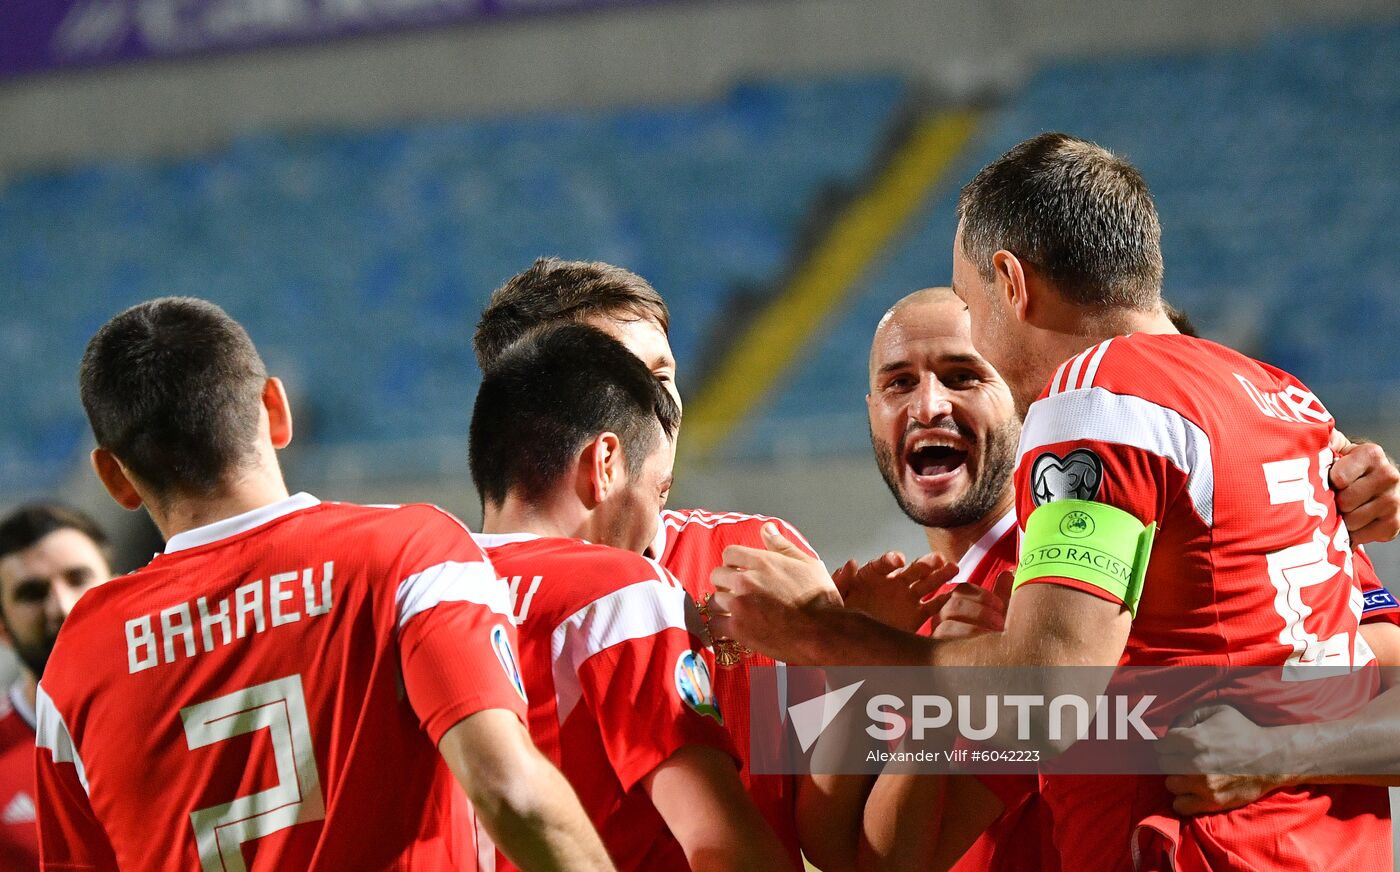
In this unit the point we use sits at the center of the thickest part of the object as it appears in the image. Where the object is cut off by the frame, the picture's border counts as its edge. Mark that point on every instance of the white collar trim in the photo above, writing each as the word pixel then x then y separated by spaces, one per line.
pixel 973 558
pixel 495 540
pixel 239 523
pixel 22 706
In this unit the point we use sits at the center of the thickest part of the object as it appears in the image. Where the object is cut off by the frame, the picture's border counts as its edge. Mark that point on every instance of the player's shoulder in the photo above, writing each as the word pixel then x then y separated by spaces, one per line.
pixel 576 568
pixel 695 528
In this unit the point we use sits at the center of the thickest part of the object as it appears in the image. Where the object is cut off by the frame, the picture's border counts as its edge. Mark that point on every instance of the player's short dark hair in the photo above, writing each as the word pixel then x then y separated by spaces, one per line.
pixel 549 394
pixel 29 523
pixel 1080 215
pixel 563 290
pixel 173 388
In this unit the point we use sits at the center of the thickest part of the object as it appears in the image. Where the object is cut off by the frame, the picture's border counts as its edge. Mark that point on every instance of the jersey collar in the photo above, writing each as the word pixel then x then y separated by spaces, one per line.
pixel 969 562
pixel 239 523
pixel 495 540
pixel 658 542
pixel 22 706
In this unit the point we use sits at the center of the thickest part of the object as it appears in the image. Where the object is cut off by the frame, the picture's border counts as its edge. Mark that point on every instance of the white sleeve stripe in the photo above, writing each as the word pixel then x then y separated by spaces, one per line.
pixel 1099 415
pixel 52 733
pixel 1072 379
pixel 1055 383
pixel 1093 368
pixel 452 582
pixel 633 612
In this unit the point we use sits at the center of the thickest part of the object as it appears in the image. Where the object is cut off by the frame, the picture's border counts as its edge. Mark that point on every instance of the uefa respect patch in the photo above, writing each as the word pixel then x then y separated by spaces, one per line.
pixel 694 685
pixel 500 643
pixel 1379 600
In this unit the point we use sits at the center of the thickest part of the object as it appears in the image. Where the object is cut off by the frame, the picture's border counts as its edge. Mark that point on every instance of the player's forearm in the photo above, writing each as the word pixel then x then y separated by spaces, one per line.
pixel 902 821
pixel 830 809
pixel 836 636
pixel 539 824
pixel 1367 742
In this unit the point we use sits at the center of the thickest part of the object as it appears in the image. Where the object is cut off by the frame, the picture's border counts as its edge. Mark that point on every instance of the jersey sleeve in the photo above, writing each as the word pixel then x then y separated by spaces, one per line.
pixel 1118 449
pixel 70 837
pixel 1380 605
pixel 457 642
pixel 645 676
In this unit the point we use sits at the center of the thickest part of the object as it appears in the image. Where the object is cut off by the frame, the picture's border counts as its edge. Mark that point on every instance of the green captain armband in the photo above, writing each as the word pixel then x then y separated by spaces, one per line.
pixel 1090 542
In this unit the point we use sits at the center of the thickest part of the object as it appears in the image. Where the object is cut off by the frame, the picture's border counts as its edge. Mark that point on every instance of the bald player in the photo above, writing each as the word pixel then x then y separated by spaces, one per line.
pixel 944 433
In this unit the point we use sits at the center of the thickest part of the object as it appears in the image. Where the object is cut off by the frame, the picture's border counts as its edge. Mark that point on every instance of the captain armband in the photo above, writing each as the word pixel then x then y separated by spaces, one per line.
pixel 1090 542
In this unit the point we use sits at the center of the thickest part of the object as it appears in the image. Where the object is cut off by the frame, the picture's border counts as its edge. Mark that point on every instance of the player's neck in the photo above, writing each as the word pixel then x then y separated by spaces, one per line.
pixel 953 543
pixel 519 516
pixel 1072 329
pixel 251 491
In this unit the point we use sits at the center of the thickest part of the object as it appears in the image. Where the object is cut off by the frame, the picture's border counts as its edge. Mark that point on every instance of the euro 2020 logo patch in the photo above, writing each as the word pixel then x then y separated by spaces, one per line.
pixel 1076 476
pixel 501 645
pixel 693 684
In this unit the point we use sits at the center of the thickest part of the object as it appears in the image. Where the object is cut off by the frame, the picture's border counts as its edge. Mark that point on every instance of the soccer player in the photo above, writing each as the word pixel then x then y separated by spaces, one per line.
pixel 49 556
pixel 571 451
pixel 926 376
pixel 280 687
pixel 1140 430
pixel 689 543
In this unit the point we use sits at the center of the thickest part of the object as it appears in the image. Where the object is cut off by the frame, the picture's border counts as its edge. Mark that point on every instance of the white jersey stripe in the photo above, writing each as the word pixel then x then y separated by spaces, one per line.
pixel 711 521
pixel 1055 383
pixel 1076 367
pixel 1094 362
pixel 452 582
pixel 633 612
pixel 52 733
pixel 1100 415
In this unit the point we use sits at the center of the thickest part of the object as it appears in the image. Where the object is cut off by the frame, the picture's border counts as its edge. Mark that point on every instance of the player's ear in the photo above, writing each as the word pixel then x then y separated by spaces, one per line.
pixel 279 412
pixel 115 479
pixel 602 464
pixel 1009 282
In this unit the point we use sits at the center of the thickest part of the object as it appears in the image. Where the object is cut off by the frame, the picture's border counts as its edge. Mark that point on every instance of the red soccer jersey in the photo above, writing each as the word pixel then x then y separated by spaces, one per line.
pixel 690 544
pixel 1251 567
pixel 268 694
pixel 19 838
pixel 1020 838
pixel 619 681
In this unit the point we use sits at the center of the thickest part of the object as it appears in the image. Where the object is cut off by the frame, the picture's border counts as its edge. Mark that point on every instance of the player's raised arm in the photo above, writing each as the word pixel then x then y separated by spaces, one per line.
pixel 531 812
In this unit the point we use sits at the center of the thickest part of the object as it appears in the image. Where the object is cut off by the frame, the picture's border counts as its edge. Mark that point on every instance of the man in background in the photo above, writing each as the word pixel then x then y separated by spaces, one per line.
pixel 49 556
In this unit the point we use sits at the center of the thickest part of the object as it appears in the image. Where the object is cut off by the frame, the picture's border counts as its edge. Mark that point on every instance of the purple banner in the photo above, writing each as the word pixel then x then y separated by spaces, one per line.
pixel 38 35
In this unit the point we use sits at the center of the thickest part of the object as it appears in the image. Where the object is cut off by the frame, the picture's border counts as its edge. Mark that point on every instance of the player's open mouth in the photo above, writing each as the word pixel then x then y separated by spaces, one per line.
pixel 932 461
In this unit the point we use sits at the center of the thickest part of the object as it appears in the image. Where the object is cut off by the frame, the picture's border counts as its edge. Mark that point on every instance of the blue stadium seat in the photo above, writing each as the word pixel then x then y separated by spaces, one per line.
pixel 360 260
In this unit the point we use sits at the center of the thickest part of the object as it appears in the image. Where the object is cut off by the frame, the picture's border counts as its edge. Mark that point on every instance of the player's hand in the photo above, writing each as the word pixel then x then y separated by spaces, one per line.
pixel 1368 490
pixel 766 598
pixel 968 610
pixel 1206 751
pixel 892 592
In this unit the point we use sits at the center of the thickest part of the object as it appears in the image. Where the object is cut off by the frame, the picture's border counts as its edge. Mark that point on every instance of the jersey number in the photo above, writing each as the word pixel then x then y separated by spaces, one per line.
pixel 1309 563
pixel 280 708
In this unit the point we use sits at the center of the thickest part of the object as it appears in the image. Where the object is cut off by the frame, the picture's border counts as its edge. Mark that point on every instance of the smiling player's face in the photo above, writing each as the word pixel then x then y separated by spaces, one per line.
pixel 942 421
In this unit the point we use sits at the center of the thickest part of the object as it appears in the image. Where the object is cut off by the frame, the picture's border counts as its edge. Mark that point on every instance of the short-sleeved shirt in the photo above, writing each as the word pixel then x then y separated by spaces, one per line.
pixel 254 696
pixel 619 679
pixel 19 838
pixel 690 544
pixel 1252 566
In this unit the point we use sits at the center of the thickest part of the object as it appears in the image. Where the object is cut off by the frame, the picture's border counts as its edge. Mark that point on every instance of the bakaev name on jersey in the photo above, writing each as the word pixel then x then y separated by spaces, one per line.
pixel 253 607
